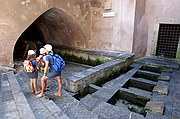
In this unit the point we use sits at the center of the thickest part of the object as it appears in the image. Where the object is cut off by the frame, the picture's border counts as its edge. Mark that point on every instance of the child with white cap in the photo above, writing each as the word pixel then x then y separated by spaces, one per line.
pixel 31 66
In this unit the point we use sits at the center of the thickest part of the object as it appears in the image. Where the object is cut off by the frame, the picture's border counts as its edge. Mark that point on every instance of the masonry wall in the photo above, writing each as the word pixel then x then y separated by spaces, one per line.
pixel 17 15
pixel 160 11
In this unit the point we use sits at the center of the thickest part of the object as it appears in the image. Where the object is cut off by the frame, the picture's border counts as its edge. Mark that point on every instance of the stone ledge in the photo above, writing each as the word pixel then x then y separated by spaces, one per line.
pixel 93 75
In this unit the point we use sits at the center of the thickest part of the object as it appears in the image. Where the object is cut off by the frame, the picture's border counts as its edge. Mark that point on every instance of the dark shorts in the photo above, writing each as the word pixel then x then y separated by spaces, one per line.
pixel 34 74
pixel 53 73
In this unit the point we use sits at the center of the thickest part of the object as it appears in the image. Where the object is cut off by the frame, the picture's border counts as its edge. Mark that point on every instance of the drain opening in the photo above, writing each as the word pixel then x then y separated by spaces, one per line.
pixel 87 90
pixel 138 86
pixel 132 102
pixel 112 76
pixel 168 39
pixel 146 75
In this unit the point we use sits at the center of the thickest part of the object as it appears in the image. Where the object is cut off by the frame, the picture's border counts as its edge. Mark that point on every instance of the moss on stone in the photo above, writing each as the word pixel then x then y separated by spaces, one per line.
pixel 84 60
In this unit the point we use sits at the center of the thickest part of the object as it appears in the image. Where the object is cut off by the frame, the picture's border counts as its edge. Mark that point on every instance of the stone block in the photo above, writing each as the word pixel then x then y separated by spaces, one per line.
pixel 156 107
pixel 161 89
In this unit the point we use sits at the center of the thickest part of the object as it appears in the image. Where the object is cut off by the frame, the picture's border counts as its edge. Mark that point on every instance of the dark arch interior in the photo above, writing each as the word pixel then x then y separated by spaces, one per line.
pixel 32 33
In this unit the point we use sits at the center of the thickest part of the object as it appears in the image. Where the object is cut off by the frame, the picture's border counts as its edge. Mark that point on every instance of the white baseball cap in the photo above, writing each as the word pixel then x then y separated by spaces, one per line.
pixel 42 51
pixel 31 52
pixel 48 47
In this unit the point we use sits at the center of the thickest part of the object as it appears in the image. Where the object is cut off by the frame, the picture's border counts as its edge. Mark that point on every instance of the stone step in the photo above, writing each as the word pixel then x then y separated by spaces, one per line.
pixel 43 107
pixel 74 108
pixel 14 103
pixel 70 106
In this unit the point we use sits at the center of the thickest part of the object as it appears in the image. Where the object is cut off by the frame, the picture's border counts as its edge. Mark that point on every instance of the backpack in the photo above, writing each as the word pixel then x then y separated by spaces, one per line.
pixel 41 62
pixel 58 62
pixel 28 66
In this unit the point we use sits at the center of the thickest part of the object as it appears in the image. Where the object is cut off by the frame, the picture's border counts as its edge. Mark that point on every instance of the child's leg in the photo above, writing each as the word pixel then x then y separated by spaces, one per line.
pixel 31 85
pixel 35 85
pixel 43 80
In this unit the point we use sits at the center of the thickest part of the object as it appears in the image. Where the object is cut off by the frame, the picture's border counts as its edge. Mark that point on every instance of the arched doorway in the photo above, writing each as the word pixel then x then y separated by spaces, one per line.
pixel 54 26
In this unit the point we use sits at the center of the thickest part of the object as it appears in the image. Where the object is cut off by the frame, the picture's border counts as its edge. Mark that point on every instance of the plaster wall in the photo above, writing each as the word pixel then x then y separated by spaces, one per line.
pixel 17 15
pixel 140 30
pixel 116 32
pixel 160 11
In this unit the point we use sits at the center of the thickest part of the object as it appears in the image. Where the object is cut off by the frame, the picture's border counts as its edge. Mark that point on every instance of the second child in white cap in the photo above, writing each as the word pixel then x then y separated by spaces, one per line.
pixel 40 59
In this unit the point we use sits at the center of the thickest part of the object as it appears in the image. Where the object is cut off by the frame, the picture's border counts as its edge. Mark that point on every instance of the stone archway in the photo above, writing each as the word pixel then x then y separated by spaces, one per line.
pixel 17 16
pixel 54 26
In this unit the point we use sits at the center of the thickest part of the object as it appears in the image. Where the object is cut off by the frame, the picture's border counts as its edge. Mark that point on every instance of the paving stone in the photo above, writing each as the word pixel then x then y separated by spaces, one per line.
pixel 51 117
pixel 80 112
pixel 11 115
pixel 136 116
pixel 151 115
pixel 9 106
pixel 119 113
pixel 7 95
pixel 51 106
pixel 5 83
pixel 60 115
pixel 90 102
pixel 161 89
pixel 156 107
pixel 42 113
pixel 108 111
pixel 103 109
pixel 104 94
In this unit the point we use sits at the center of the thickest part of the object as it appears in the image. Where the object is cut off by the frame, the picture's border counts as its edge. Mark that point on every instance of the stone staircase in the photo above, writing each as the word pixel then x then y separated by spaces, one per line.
pixel 14 103
pixel 43 107
pixel 53 107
